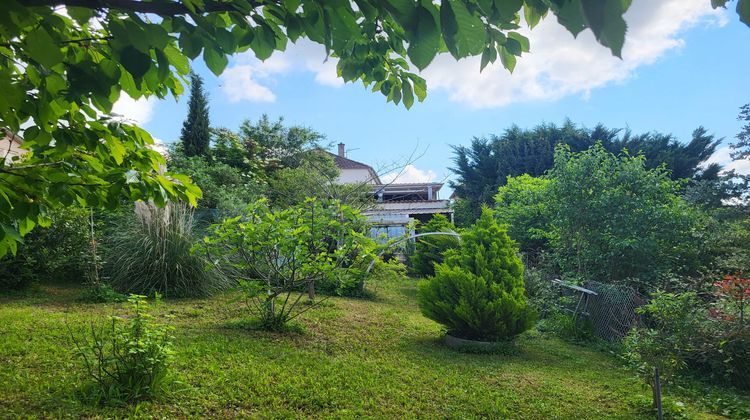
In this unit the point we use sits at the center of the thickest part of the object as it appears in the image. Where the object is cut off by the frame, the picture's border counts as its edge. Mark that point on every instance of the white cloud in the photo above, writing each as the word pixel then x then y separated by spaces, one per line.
pixel 409 174
pixel 249 79
pixel 723 157
pixel 137 111
pixel 560 65
pixel 239 85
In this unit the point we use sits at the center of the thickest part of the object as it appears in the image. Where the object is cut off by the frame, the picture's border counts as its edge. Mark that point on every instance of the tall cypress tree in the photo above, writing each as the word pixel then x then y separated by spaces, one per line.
pixel 195 130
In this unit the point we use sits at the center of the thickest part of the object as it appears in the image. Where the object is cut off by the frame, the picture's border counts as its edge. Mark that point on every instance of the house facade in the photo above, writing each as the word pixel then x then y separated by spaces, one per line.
pixel 10 146
pixel 396 204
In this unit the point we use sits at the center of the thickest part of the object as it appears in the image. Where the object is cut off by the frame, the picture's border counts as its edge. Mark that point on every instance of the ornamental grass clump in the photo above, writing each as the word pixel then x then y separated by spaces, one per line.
pixel 477 293
pixel 150 252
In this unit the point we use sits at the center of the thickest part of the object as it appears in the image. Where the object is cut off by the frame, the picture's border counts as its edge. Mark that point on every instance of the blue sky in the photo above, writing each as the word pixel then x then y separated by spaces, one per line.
pixel 684 65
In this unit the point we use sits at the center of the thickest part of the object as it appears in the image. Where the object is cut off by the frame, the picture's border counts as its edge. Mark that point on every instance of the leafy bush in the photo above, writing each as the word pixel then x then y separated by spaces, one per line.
pixel 523 205
pixel 226 189
pixel 478 292
pixel 128 358
pixel 667 342
pixel 59 252
pixel 282 253
pixel 429 250
pixel 683 334
pixel 151 252
pixel 616 221
pixel 101 293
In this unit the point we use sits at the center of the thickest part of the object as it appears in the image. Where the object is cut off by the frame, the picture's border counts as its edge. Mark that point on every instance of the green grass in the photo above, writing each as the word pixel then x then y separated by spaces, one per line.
pixel 353 358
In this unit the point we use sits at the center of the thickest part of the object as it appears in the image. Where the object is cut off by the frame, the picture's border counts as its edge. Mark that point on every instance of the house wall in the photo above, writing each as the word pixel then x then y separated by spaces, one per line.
pixel 15 149
pixel 355 176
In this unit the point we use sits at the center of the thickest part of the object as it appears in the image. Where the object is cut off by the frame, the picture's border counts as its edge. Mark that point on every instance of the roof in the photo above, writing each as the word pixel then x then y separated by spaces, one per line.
pixel 346 163
pixel 407 187
pixel 8 135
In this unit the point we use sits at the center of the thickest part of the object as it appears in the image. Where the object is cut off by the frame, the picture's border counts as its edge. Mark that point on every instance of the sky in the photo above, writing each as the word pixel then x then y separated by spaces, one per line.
pixel 684 65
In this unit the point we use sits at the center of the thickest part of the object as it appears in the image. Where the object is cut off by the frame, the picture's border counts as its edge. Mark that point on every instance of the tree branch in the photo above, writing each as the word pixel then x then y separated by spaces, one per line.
pixel 172 8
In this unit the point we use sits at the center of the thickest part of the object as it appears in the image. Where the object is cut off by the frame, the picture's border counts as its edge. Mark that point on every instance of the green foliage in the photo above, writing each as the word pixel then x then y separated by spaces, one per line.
pixel 150 252
pixel 667 344
pixel 429 250
pixel 742 146
pixel 523 205
pixel 60 252
pixel 315 175
pixel 101 293
pixel 226 188
pixel 277 254
pixel 93 52
pixel 61 75
pixel 683 334
pixel 277 145
pixel 195 135
pixel 128 358
pixel 566 327
pixel 617 221
pixel 478 292
pixel 487 163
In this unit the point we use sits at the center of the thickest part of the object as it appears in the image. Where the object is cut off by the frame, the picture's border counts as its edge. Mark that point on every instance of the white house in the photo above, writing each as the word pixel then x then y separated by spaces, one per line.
pixel 397 204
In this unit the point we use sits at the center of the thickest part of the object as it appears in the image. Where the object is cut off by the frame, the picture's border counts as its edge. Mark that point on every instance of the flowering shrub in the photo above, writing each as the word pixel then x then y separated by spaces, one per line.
pixel 733 292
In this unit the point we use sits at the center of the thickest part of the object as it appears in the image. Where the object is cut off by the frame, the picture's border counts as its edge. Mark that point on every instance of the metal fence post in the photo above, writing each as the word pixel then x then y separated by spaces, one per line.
pixel 657 394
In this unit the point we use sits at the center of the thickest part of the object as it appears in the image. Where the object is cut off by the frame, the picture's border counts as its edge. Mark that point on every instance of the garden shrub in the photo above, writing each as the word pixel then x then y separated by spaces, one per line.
pixel 279 255
pixel 684 334
pixel 226 189
pixel 59 252
pixel 150 252
pixel 667 340
pixel 523 205
pixel 616 221
pixel 478 292
pixel 101 293
pixel 429 250
pixel 128 357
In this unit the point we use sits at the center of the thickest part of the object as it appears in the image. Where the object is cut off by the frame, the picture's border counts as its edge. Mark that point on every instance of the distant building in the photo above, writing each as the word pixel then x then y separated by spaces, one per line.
pixel 10 146
pixel 397 204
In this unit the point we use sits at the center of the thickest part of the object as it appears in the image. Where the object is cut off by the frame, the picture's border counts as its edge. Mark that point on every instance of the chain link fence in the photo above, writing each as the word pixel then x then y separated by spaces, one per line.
pixel 609 309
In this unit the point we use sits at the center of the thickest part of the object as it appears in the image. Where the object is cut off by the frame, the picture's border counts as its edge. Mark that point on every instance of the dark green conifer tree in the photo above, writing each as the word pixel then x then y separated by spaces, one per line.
pixel 195 135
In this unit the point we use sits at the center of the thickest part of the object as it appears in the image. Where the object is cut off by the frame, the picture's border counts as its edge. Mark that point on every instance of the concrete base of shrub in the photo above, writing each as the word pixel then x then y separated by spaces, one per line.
pixel 475 346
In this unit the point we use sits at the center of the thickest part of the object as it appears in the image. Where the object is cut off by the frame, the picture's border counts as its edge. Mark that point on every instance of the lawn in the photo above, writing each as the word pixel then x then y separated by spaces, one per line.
pixel 352 358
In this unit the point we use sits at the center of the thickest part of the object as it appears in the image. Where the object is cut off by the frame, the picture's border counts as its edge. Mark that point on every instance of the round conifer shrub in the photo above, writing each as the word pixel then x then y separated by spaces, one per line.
pixel 477 293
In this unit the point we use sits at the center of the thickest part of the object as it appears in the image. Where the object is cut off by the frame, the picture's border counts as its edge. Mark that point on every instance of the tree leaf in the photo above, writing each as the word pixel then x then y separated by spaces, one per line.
pixel 508 8
pixel 424 42
pixel 177 59
pixel 522 41
pixel 743 9
pixel 489 55
pixel 570 15
pixel 508 59
pixel 407 93
pixel 534 11
pixel 42 48
pixel 605 18
pixel 463 31
pixel 135 62
pixel 215 60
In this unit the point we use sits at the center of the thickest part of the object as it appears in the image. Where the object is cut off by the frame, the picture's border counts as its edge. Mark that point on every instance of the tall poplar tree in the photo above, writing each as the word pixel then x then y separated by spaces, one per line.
pixel 195 135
